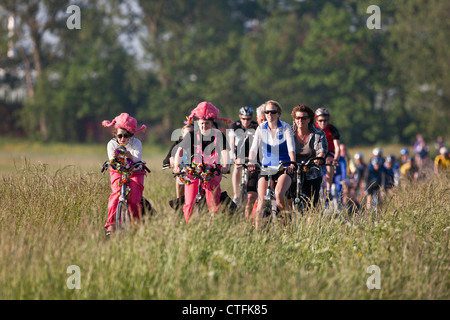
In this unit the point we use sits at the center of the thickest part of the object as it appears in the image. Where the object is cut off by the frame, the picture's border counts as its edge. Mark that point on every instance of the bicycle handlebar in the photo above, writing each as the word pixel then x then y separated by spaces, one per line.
pixel 131 168
pixel 280 167
pixel 196 156
pixel 310 161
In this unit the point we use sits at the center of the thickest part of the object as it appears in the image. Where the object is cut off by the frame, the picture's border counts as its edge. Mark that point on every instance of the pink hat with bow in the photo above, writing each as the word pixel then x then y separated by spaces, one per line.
pixel 206 110
pixel 124 121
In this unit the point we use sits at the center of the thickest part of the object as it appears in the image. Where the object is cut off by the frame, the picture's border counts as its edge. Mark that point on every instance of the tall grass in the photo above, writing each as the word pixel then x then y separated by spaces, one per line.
pixel 52 219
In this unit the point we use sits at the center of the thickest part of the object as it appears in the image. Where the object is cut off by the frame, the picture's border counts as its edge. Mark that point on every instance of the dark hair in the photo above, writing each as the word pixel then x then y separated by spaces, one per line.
pixel 303 108
pixel 214 123
pixel 129 133
pixel 209 119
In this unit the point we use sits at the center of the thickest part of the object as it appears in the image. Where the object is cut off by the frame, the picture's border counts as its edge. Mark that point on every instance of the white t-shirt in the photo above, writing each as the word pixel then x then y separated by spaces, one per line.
pixel 133 145
pixel 273 149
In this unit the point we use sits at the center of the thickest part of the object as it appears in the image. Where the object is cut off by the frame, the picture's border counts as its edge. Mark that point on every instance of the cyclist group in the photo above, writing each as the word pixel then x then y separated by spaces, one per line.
pixel 256 144
pixel 266 142
pixel 382 174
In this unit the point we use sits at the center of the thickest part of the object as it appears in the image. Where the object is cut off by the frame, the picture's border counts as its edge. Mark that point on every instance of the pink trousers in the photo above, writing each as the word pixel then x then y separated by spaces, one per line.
pixel 212 195
pixel 136 185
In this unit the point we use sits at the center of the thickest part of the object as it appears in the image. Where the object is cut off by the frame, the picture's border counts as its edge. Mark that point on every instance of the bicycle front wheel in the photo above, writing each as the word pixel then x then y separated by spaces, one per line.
pixel 299 205
pixel 122 215
pixel 266 217
pixel 242 195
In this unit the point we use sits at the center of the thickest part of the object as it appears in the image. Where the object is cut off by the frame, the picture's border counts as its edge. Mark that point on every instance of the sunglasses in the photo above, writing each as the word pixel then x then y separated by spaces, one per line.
pixel 322 120
pixel 271 111
pixel 301 118
pixel 246 119
pixel 126 136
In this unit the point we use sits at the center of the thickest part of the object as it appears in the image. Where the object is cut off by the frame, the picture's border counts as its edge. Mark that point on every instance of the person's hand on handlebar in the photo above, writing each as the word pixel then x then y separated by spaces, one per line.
pixel 319 162
pixel 335 162
pixel 126 155
pixel 290 169
pixel 176 169
pixel 251 165
pixel 330 161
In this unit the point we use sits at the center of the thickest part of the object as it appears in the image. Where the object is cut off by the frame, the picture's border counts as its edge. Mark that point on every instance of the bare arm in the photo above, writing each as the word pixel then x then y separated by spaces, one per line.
pixel 177 160
pixel 337 151
pixel 318 162
pixel 226 166
pixel 254 149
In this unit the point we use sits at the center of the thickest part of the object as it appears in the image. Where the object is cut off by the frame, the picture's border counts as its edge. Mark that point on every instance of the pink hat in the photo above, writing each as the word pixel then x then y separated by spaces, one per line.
pixel 206 110
pixel 124 121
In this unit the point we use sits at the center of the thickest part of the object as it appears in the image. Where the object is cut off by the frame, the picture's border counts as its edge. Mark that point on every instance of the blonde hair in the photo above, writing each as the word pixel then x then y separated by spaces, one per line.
pixel 275 103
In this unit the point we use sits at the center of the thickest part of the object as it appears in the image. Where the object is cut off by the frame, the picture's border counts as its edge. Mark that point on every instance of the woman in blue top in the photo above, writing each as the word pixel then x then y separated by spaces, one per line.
pixel 275 141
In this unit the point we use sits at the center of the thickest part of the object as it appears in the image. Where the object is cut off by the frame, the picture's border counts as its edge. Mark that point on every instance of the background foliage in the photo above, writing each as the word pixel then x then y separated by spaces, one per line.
pixel 157 59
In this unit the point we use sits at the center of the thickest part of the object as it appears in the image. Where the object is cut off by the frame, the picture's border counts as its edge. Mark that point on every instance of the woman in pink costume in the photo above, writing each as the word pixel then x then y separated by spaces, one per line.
pixel 125 127
pixel 208 146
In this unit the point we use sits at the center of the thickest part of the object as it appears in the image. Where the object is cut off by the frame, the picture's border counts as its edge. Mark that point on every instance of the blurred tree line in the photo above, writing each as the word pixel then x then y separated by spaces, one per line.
pixel 158 59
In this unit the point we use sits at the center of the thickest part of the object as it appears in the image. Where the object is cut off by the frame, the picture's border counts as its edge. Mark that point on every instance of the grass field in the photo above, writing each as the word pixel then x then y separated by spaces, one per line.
pixel 53 205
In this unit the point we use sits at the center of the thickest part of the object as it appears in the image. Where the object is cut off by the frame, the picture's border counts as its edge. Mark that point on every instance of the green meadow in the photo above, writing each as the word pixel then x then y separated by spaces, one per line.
pixel 53 205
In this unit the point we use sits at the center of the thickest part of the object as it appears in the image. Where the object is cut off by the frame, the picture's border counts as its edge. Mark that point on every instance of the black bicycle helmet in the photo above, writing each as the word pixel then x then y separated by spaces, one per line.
pixel 246 111
pixel 322 112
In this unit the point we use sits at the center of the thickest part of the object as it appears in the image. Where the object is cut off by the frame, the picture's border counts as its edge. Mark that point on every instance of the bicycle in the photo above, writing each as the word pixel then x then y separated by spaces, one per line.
pixel 122 215
pixel 175 203
pixel 270 212
pixel 376 198
pixel 329 200
pixel 201 171
pixel 303 167
pixel 242 200
pixel 240 148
